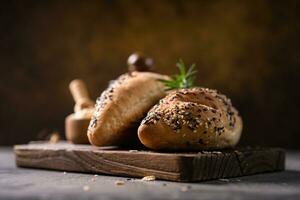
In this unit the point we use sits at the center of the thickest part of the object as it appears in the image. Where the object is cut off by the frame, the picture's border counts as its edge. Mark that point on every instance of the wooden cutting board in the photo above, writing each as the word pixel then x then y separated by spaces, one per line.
pixel 183 167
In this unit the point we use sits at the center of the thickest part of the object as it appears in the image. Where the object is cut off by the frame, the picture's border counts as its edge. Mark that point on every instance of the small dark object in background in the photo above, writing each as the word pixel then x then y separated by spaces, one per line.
pixel 139 62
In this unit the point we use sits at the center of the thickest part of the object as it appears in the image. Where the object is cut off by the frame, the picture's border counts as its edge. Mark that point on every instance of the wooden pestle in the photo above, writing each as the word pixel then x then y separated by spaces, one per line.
pixel 76 124
pixel 80 95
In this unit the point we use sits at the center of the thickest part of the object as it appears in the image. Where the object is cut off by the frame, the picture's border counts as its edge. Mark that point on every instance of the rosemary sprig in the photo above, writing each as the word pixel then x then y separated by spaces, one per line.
pixel 185 78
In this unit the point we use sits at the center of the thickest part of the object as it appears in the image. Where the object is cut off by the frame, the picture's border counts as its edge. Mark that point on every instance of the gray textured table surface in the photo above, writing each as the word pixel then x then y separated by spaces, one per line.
pixel 21 183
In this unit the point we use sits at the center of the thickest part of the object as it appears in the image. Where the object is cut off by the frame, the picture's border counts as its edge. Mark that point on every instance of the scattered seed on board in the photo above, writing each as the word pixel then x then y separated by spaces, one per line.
pixel 148 178
pixel 65 172
pixel 54 138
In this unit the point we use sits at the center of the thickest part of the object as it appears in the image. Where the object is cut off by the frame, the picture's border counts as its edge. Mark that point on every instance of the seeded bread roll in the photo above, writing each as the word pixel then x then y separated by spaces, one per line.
pixel 121 107
pixel 191 119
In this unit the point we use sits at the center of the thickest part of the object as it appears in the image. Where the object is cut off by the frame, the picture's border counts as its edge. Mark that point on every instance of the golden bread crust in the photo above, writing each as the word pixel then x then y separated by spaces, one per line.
pixel 191 119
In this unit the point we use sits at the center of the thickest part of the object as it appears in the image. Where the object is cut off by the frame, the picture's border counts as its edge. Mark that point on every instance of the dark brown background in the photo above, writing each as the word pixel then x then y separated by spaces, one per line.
pixel 246 49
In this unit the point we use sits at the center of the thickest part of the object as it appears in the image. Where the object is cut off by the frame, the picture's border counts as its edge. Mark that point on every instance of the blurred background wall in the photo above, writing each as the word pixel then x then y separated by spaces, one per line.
pixel 246 49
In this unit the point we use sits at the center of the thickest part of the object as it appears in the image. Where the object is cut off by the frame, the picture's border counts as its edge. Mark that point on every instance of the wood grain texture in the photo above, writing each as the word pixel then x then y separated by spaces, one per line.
pixel 183 167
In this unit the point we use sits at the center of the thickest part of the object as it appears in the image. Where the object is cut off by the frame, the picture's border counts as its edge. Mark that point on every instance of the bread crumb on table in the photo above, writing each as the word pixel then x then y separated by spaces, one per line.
pixel 119 183
pixel 86 188
pixel 224 180
pixel 148 178
pixel 185 188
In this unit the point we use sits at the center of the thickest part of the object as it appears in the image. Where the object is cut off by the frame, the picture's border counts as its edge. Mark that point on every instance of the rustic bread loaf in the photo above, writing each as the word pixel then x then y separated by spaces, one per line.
pixel 121 107
pixel 191 119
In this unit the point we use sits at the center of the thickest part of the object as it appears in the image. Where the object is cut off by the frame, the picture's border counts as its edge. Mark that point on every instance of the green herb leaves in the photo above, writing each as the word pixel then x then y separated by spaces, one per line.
pixel 185 78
